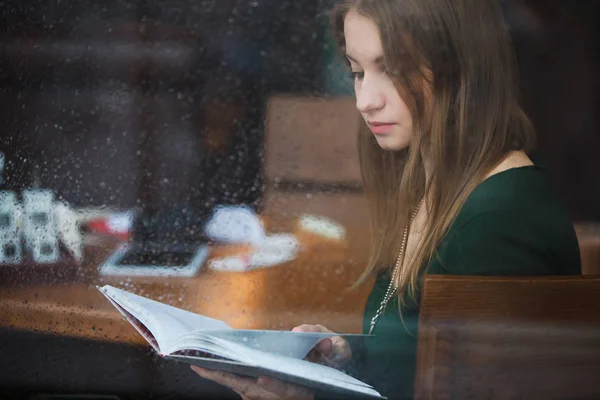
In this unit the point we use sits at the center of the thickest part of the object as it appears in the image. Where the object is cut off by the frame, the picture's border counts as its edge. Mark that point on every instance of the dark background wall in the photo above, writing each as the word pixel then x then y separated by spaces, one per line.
pixel 557 43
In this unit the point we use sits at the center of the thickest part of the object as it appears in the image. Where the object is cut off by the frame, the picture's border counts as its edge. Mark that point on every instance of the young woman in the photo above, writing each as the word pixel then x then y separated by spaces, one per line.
pixel 445 154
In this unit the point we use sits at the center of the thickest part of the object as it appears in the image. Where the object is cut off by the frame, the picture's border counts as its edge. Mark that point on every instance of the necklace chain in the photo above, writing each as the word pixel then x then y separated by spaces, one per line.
pixel 392 288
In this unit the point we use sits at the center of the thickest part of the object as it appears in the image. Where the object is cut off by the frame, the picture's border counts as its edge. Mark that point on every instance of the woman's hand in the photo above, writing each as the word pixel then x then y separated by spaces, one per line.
pixel 333 352
pixel 263 388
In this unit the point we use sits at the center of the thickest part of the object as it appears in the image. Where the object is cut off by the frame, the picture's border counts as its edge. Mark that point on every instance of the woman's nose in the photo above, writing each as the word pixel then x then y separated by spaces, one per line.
pixel 369 97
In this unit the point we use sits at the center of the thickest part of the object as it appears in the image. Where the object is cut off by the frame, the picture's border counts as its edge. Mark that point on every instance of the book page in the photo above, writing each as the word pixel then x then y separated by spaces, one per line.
pixel 166 323
pixel 141 327
pixel 286 366
pixel 287 343
pixel 126 300
pixel 142 320
pixel 206 344
pixel 276 362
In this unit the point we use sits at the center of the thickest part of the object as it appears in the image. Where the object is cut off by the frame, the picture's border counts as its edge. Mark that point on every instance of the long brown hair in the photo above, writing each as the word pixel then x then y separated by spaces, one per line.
pixel 453 64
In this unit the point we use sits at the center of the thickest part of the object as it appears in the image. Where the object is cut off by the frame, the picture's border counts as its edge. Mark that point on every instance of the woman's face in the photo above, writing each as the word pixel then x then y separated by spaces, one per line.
pixel 377 99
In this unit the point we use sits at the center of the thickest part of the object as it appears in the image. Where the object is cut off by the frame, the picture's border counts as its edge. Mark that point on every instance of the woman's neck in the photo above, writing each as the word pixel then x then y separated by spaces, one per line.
pixel 514 159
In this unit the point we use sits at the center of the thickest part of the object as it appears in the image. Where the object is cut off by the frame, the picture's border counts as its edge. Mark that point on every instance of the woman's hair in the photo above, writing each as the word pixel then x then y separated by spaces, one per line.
pixel 452 63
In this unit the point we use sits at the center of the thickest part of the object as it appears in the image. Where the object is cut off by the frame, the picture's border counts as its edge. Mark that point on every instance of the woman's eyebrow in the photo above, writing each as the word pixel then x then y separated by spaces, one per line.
pixel 378 60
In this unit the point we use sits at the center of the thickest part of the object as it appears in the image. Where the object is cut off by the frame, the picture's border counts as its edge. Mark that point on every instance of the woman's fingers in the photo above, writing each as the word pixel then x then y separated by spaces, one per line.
pixel 334 351
pixel 341 351
pixel 231 381
pixel 320 352
pixel 306 328
pixel 325 346
pixel 310 328
pixel 315 356
pixel 247 388
pixel 284 390
pixel 264 388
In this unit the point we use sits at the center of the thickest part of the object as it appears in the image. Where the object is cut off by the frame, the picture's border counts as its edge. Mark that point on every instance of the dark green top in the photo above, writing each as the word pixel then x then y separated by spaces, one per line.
pixel 512 224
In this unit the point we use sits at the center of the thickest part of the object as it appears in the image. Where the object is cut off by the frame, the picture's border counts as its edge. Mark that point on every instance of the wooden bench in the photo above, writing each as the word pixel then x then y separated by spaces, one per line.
pixel 509 338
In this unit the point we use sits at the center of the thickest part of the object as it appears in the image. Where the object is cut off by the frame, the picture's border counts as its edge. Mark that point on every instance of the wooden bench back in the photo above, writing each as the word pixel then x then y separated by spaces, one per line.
pixel 311 139
pixel 311 162
pixel 509 338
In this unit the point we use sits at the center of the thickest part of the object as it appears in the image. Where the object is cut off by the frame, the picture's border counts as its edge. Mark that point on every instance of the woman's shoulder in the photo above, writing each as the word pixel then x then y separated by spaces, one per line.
pixel 512 223
pixel 524 190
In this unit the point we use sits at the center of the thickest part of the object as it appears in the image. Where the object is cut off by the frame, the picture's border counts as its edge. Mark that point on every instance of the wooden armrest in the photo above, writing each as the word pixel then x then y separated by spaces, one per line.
pixel 508 337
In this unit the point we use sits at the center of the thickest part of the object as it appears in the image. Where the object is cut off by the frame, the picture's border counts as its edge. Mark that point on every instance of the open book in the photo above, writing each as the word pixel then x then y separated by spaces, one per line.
pixel 210 343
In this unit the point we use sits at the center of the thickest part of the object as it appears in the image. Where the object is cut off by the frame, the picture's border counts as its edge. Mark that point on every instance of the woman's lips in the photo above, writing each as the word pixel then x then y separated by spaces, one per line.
pixel 380 128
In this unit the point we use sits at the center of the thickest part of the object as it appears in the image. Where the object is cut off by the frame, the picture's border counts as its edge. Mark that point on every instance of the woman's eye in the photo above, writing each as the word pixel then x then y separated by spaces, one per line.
pixel 357 75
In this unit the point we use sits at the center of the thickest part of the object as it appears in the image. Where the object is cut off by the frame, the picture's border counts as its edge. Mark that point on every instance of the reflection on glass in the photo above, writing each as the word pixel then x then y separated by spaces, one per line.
pixel 125 125
pixel 5 220
pixel 39 218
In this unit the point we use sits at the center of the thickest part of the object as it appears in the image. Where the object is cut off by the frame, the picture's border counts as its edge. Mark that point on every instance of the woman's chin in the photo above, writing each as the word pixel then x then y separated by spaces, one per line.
pixel 391 143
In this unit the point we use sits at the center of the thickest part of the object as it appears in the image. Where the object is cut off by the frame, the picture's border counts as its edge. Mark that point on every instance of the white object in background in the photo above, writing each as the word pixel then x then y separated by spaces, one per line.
pixel 272 251
pixel 322 226
pixel 67 223
pixel 235 224
pixel 120 223
pixel 10 232
pixel 38 226
pixel 238 263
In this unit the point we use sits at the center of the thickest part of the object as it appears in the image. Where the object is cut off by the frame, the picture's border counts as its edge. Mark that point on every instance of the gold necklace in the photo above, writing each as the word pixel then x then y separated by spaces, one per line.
pixel 391 290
